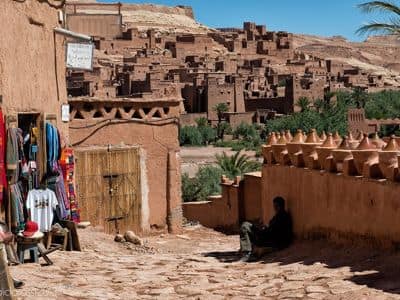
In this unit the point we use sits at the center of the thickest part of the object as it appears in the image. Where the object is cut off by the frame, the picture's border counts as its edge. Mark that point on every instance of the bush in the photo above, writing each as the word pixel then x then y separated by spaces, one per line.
pixel 190 188
pixel 205 184
pixel 383 105
pixel 203 134
pixel 247 131
pixel 190 135
pixel 333 117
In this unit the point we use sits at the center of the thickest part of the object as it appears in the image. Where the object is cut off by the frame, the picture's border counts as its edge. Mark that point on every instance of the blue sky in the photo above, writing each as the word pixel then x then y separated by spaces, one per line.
pixel 320 17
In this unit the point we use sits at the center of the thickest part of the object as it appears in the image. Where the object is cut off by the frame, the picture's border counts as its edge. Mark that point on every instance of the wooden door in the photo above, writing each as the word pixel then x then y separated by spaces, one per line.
pixel 108 187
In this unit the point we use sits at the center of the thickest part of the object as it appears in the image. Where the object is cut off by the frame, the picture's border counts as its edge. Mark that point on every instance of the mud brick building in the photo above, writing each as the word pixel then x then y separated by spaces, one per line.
pixel 32 78
pixel 249 68
pixel 139 131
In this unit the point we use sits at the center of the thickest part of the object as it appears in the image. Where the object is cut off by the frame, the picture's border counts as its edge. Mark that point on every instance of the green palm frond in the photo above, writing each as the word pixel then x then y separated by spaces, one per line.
pixel 375 27
pixel 236 165
pixel 391 26
pixel 380 6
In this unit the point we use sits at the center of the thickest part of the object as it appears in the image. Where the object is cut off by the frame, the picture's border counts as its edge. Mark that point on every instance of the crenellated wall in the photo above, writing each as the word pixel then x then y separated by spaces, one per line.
pixel 240 200
pixel 334 187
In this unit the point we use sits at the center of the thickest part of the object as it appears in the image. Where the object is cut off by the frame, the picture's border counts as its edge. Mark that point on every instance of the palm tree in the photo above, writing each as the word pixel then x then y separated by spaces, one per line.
pixel 237 164
pixel 303 103
pixel 319 105
pixel 392 26
pixel 359 96
pixel 221 109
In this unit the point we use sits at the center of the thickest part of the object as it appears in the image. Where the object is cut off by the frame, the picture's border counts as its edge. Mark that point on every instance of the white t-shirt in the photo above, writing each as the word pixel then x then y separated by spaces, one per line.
pixel 42 204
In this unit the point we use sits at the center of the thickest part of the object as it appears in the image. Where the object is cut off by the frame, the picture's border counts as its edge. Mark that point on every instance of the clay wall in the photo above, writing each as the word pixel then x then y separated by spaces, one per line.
pixel 239 201
pixel 100 25
pixel 219 212
pixel 118 46
pixel 219 93
pixel 32 60
pixel 190 119
pixel 324 203
pixel 251 205
pixel 297 88
pixel 115 8
pixel 281 105
pixel 343 190
pixel 235 119
pixel 151 125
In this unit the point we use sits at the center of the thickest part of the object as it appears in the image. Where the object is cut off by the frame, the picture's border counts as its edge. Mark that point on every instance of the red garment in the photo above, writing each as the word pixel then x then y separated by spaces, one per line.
pixel 3 176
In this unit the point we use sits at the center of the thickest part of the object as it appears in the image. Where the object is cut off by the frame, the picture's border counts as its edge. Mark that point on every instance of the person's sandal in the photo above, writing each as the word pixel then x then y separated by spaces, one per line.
pixel 247 257
pixel 18 284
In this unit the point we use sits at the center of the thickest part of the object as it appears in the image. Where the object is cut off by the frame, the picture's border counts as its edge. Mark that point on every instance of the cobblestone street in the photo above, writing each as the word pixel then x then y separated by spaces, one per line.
pixel 202 264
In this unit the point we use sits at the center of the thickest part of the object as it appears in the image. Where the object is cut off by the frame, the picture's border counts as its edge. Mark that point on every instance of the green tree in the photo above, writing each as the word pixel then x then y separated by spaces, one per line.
pixel 359 96
pixel 329 118
pixel 388 27
pixel 328 98
pixel 319 105
pixel 221 109
pixel 236 165
pixel 303 103
pixel 207 133
pixel 202 122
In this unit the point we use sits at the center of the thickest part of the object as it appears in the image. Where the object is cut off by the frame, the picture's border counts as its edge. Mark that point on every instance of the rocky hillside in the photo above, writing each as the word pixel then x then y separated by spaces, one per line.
pixel 143 16
pixel 377 54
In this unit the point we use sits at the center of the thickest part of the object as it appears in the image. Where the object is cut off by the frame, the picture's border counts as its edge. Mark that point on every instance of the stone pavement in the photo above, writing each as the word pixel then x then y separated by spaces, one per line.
pixel 202 264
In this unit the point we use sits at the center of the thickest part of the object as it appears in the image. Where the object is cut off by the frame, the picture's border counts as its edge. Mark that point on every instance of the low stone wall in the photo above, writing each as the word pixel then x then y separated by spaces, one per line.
pixel 240 200
pixel 219 212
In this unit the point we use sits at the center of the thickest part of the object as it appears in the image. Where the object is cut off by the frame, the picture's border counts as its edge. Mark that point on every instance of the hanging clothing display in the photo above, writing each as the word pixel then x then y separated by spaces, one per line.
pixel 41 205
pixel 38 185
pixel 13 152
pixel 3 177
pixel 68 168
pixel 55 179
pixel 17 206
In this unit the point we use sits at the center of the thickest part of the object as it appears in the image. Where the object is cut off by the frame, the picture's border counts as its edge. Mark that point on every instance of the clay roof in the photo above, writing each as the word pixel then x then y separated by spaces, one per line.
pixel 272 140
pixel 282 140
pixel 329 142
pixel 312 137
pixel 392 145
pixel 288 136
pixel 344 145
pixel 366 144
pixel 299 137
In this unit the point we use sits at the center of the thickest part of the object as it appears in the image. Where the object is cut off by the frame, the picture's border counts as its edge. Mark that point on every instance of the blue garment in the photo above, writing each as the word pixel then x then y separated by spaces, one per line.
pixel 53 145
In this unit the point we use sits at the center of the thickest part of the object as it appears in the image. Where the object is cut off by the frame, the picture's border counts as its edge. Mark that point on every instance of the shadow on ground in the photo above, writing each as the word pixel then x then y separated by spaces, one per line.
pixel 378 269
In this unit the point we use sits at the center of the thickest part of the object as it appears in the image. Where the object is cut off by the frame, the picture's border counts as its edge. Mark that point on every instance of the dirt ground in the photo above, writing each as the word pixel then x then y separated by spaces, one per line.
pixel 192 158
pixel 203 264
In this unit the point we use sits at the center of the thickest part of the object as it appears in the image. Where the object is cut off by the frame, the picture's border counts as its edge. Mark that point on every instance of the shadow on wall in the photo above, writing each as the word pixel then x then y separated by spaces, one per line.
pixel 368 266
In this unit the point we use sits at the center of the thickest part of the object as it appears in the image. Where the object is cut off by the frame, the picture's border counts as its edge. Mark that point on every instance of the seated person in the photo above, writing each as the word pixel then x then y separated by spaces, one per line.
pixel 6 237
pixel 277 235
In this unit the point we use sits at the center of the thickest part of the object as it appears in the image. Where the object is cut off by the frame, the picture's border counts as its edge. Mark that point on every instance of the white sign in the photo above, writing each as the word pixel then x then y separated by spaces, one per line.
pixel 80 56
pixel 65 112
